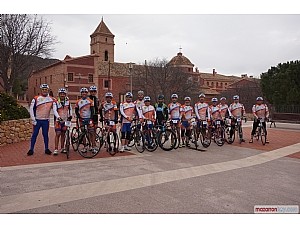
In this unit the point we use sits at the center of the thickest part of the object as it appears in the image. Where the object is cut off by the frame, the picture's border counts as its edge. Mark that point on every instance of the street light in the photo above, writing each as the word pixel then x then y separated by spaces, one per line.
pixel 130 66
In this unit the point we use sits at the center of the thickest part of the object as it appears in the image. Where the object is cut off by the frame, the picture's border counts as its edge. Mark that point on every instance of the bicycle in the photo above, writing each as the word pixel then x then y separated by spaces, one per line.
pixel 218 133
pixel 166 137
pixel 68 124
pixel 109 138
pixel 150 136
pixel 261 131
pixel 236 128
pixel 204 133
pixel 173 124
pixel 74 135
pixel 194 137
pixel 136 137
pixel 84 143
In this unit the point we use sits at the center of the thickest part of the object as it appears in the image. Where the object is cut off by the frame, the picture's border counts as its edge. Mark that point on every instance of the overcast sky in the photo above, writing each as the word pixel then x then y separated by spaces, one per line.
pixel 232 44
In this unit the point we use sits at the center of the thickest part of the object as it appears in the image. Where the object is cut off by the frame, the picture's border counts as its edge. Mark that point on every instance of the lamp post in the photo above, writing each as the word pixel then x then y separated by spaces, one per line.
pixel 130 66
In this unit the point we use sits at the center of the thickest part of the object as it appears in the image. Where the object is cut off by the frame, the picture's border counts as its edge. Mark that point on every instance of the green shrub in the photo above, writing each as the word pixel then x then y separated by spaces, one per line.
pixel 10 109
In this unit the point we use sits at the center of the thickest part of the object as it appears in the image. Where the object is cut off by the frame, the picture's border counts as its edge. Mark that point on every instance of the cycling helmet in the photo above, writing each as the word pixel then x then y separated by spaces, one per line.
pixel 147 99
pixel 128 94
pixel 109 94
pixel 93 88
pixel 223 98
pixel 62 90
pixel 44 86
pixel 236 97
pixel 141 92
pixel 174 95
pixel 202 95
pixel 259 99
pixel 187 99
pixel 84 90
pixel 214 99
pixel 161 96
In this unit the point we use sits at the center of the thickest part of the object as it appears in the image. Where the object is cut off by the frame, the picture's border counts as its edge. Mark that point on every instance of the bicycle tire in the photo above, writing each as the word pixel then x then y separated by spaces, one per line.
pixel 206 138
pixel 114 144
pixel 74 138
pixel 165 139
pixel 240 132
pixel 139 141
pixel 84 144
pixel 131 140
pixel 153 140
pixel 227 135
pixel 219 138
pixel 263 136
pixel 67 143
pixel 194 136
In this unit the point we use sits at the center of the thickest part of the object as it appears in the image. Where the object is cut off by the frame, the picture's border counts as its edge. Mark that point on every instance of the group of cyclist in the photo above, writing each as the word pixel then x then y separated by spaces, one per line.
pixel 88 108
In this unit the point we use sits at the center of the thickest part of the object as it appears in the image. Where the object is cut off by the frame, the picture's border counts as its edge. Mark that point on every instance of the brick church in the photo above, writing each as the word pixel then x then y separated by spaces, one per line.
pixel 99 68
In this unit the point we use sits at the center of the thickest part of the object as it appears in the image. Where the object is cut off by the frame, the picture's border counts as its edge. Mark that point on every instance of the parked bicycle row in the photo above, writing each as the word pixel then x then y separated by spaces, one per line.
pixel 142 125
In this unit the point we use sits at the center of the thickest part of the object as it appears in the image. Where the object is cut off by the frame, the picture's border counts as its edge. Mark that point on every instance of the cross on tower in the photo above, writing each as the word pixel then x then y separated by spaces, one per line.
pixel 180 48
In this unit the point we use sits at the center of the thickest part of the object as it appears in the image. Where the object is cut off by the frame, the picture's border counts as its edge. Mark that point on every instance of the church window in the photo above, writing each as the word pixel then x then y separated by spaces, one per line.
pixel 106 56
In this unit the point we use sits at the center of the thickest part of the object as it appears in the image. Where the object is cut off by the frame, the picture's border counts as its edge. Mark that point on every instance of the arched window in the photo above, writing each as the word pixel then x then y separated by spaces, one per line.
pixel 106 56
pixel 105 39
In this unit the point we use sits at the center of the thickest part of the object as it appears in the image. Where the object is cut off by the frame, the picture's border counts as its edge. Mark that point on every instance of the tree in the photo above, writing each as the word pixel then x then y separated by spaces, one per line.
pixel 22 37
pixel 281 84
pixel 157 77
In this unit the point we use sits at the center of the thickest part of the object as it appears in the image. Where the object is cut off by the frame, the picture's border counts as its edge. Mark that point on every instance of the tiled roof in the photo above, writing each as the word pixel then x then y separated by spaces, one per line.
pixel 180 60
pixel 102 28
pixel 218 77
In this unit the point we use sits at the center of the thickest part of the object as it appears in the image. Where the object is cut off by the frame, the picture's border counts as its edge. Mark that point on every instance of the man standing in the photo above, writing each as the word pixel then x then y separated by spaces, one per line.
pixel 238 111
pixel 40 108
pixel 161 110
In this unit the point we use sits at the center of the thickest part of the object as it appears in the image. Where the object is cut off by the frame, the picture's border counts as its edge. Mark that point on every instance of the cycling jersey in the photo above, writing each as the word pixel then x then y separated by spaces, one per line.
pixel 174 110
pixel 148 112
pixel 260 111
pixel 224 110
pixel 63 108
pixel 84 108
pixel 109 110
pixel 139 104
pixel 127 110
pixel 202 111
pixel 187 112
pixel 215 112
pixel 161 112
pixel 41 106
pixel 237 109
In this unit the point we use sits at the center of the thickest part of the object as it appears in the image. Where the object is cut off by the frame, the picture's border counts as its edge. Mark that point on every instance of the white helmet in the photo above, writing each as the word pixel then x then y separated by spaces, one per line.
pixel 236 97
pixel 44 86
pixel 141 92
pixel 201 95
pixel 187 99
pixel 62 90
pixel 128 94
pixel 84 90
pixel 174 95
pixel 93 88
pixel 259 99
pixel 109 94
pixel 223 98
pixel 147 98
pixel 214 99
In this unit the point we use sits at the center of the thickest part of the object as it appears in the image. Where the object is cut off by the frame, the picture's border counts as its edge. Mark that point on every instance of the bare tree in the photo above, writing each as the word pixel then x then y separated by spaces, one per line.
pixel 22 36
pixel 158 77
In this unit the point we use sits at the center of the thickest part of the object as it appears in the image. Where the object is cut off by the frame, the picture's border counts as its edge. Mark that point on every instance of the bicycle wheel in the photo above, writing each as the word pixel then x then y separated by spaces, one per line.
pixel 167 139
pixel 139 141
pixel 74 138
pixel 219 138
pixel 113 145
pixel 206 138
pixel 240 132
pixel 67 143
pixel 84 146
pixel 131 140
pixel 99 137
pixel 227 137
pixel 194 138
pixel 176 139
pixel 152 144
pixel 263 136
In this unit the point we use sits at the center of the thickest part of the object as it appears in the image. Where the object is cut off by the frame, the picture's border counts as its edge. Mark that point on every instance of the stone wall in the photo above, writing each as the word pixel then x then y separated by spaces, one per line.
pixel 13 131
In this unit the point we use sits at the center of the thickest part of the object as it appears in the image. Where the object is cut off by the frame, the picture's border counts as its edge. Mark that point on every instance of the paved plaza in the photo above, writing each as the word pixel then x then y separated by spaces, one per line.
pixel 228 179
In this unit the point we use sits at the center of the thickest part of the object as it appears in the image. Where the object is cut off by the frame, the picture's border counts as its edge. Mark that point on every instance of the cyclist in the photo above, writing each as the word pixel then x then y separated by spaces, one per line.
pixel 187 113
pixel 215 112
pixel 85 110
pixel 224 109
pixel 174 114
pixel 64 110
pixel 40 108
pixel 139 103
pixel 93 97
pixel 161 110
pixel 238 111
pixel 202 111
pixel 149 116
pixel 109 115
pixel 127 111
pixel 259 111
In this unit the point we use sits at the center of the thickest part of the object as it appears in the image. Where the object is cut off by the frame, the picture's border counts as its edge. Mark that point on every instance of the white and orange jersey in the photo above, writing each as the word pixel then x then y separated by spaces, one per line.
pixel 215 112
pixel 84 107
pixel 63 108
pixel 202 111
pixel 127 110
pixel 237 110
pixel 187 112
pixel 108 110
pixel 260 111
pixel 139 104
pixel 223 110
pixel 41 106
pixel 174 110
pixel 149 113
